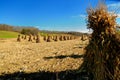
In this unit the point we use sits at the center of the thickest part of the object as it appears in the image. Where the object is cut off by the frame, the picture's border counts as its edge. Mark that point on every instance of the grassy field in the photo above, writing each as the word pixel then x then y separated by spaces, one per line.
pixel 8 34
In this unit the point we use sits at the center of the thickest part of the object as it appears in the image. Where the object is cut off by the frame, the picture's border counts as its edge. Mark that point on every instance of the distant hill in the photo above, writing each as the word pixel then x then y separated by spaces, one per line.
pixel 9 31
pixel 63 32
pixel 8 34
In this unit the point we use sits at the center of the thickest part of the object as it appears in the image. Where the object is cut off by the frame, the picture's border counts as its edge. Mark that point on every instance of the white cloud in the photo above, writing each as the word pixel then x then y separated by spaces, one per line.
pixel 114 8
pixel 115 5
pixel 83 30
pixel 80 16
pixel 118 15
pixel 37 26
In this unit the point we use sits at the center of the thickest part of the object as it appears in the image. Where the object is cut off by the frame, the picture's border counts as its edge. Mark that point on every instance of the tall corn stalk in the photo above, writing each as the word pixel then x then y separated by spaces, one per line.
pixel 102 57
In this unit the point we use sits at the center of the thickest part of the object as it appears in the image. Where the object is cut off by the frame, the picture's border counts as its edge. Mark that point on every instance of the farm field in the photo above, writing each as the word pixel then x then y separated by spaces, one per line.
pixel 31 57
pixel 8 34
pixel 60 40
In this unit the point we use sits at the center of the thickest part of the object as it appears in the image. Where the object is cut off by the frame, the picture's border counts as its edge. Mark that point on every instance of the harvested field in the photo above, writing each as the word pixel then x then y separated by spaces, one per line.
pixel 32 57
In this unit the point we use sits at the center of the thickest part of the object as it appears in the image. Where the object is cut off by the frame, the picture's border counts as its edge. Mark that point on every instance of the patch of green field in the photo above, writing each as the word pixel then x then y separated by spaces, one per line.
pixel 119 32
pixel 43 34
pixel 8 34
pixel 46 34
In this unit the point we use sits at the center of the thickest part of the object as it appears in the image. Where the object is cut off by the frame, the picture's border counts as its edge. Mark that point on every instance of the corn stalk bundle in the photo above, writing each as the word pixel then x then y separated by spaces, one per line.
pixel 49 39
pixel 18 39
pixel 53 37
pixel 22 37
pixel 45 38
pixel 68 37
pixel 61 38
pixel 83 38
pixel 64 38
pixel 102 57
pixel 25 37
pixel 34 38
pixel 71 37
pixel 38 39
pixel 56 38
pixel 30 38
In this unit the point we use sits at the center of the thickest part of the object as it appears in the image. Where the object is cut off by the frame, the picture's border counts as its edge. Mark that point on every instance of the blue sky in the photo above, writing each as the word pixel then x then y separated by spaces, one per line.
pixel 60 15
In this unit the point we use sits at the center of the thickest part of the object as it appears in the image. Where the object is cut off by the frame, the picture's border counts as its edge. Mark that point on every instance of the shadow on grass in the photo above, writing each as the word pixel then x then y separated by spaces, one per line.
pixel 64 75
pixel 64 56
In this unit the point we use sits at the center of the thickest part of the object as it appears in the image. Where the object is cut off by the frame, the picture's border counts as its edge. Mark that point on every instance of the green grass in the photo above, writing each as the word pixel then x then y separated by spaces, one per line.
pixel 119 32
pixel 8 34
pixel 46 34
pixel 43 34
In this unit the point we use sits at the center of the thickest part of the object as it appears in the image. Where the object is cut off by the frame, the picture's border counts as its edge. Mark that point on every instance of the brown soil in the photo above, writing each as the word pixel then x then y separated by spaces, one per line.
pixel 30 57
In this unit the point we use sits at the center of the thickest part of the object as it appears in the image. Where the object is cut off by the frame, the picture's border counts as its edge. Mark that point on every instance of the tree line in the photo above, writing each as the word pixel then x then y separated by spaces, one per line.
pixel 31 30
pixel 6 27
pixel 27 30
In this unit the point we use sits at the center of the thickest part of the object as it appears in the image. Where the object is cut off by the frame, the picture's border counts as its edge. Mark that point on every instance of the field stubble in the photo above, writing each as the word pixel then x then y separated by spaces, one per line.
pixel 45 56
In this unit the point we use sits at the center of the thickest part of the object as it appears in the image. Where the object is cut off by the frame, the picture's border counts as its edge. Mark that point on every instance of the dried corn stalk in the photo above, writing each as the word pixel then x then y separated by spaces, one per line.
pixel 38 39
pixel 102 57
pixel 18 39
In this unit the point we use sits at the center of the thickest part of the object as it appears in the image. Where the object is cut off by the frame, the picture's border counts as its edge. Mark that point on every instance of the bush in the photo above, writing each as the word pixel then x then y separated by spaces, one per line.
pixel 30 31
